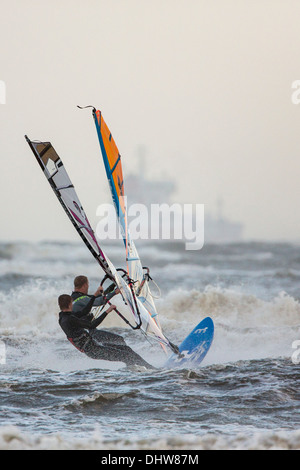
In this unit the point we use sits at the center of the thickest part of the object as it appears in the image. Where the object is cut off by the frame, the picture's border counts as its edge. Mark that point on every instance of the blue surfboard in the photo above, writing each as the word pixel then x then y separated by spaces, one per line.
pixel 195 346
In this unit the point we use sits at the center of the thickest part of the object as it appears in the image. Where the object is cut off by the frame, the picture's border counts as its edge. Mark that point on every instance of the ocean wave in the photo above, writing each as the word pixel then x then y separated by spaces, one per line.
pixel 232 306
pixel 49 269
pixel 61 259
pixel 13 438
pixel 246 326
pixel 97 399
pixel 36 302
pixel 290 274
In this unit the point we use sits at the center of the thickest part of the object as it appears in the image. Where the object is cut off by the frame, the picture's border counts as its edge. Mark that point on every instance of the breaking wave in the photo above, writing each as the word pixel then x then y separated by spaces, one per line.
pixel 12 438
pixel 246 327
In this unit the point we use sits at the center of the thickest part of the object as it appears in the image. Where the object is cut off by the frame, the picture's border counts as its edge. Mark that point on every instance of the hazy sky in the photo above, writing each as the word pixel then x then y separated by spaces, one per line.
pixel 205 86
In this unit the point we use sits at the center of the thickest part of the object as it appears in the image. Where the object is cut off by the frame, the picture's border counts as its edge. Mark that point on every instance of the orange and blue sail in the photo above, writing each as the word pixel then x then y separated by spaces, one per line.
pixel 113 167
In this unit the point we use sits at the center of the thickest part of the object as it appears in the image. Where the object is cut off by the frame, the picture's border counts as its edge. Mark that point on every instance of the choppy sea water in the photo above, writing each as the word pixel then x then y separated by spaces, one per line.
pixel 245 395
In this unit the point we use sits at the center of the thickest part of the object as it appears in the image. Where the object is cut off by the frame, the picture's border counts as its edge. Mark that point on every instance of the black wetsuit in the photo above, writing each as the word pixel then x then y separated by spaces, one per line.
pixel 81 300
pixel 80 330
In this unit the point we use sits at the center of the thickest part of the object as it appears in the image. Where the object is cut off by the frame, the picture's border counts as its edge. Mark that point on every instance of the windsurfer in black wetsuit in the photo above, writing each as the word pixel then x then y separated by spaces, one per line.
pixel 81 297
pixel 80 329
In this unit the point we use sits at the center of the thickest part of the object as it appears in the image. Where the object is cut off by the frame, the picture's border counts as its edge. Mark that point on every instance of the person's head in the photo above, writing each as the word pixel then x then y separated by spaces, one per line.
pixel 65 302
pixel 81 284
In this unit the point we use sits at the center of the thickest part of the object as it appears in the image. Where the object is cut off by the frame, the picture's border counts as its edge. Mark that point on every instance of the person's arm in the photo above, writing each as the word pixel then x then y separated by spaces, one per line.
pixel 99 300
pixel 86 310
pixel 90 324
pixel 111 295
pixel 102 299
pixel 80 322
pixel 102 317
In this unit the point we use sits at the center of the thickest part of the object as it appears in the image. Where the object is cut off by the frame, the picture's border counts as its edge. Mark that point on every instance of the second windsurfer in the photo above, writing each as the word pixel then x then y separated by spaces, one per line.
pixel 81 331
